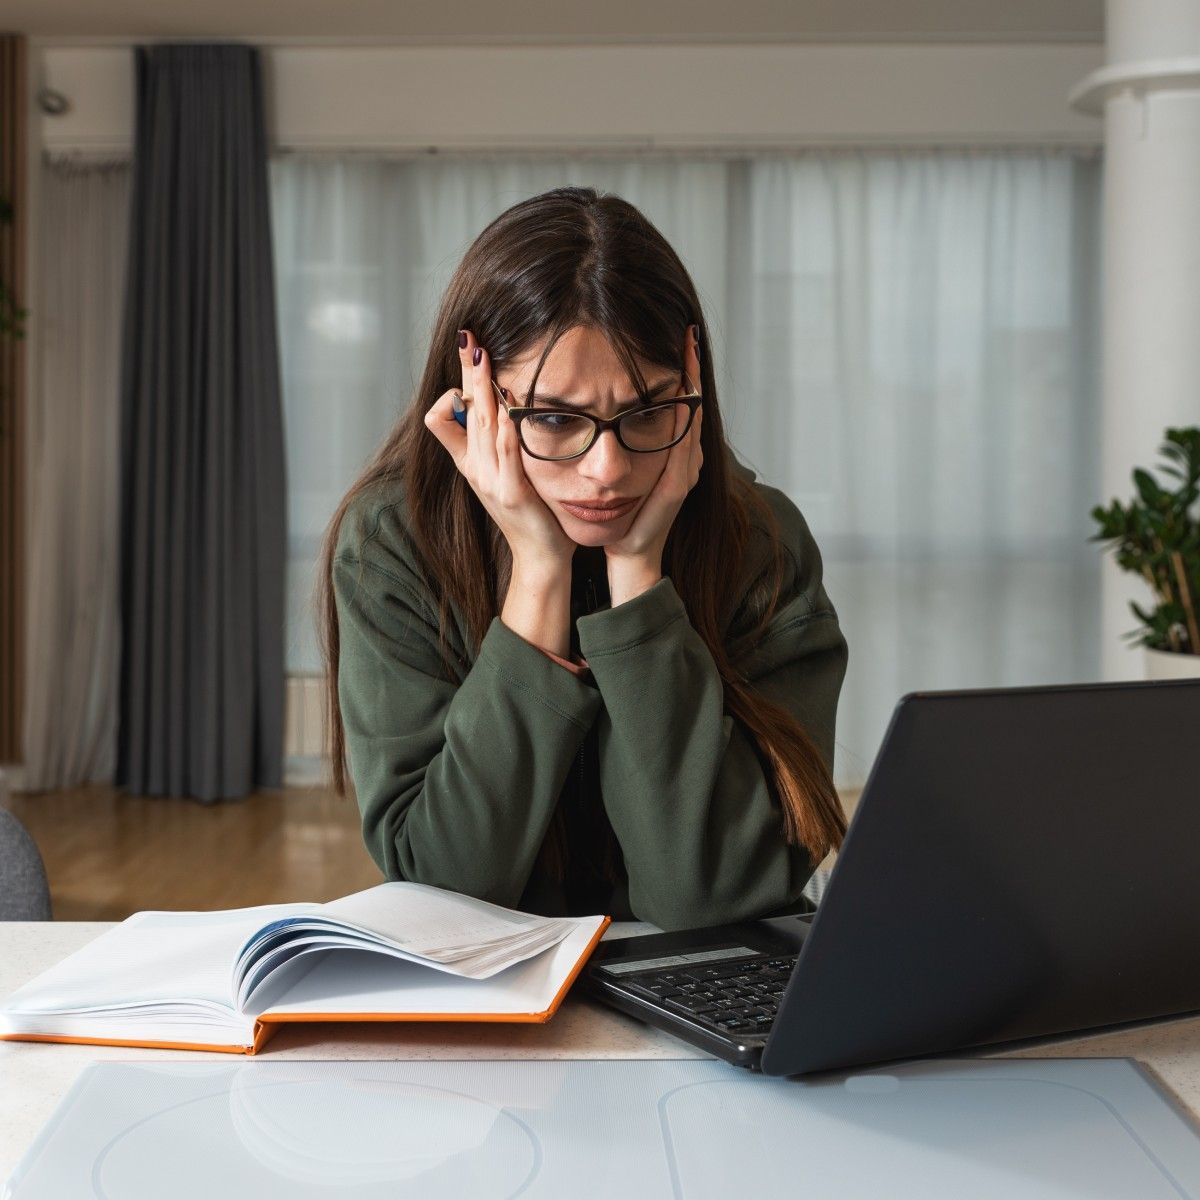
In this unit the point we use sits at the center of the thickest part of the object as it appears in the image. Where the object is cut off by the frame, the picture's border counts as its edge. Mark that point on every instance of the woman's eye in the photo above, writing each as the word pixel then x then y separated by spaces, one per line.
pixel 552 421
pixel 651 416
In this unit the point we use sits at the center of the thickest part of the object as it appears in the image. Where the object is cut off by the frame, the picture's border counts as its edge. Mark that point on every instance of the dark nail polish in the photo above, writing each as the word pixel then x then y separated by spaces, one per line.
pixel 477 355
pixel 462 339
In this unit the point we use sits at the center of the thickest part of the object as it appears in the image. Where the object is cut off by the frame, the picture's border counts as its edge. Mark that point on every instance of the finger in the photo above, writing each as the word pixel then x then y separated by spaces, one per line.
pixel 466 346
pixel 691 355
pixel 696 458
pixel 676 469
pixel 439 420
pixel 481 450
pixel 691 454
pixel 483 410
pixel 512 476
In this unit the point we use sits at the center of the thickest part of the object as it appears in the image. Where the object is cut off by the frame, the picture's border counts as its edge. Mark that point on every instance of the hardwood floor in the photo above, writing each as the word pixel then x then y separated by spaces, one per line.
pixel 108 855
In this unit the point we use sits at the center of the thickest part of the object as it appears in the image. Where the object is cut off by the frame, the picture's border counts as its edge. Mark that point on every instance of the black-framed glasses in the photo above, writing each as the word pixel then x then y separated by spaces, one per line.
pixel 558 434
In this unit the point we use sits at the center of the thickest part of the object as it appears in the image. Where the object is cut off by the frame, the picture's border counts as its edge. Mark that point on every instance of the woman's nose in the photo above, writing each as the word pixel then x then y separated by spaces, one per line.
pixel 607 461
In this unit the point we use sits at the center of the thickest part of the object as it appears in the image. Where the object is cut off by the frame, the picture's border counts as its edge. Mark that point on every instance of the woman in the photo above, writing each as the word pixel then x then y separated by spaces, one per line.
pixel 580 667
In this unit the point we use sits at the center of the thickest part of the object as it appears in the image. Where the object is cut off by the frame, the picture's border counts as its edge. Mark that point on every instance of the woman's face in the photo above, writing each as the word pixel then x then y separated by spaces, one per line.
pixel 584 372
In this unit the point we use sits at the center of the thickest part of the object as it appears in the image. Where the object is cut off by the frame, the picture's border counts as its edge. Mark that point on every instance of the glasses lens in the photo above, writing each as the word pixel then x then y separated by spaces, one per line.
pixel 653 428
pixel 555 434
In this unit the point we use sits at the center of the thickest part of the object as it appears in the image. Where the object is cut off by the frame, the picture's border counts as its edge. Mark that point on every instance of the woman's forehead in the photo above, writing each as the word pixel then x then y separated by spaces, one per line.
pixel 582 366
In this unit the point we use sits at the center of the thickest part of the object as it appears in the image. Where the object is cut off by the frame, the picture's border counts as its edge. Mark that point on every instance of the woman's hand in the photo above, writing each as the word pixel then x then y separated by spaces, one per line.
pixel 488 453
pixel 635 562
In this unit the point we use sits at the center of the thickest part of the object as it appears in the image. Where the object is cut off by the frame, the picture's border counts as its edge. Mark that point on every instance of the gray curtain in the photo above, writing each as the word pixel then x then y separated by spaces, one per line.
pixel 203 535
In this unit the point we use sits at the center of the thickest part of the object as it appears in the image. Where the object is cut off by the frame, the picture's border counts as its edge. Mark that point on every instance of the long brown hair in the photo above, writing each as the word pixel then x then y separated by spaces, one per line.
pixel 565 258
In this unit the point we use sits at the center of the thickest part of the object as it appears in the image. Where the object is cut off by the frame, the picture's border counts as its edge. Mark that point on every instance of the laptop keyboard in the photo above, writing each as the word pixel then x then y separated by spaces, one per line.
pixel 732 997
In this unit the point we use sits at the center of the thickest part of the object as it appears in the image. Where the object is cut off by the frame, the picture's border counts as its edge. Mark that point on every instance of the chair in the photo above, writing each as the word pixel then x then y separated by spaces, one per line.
pixel 24 892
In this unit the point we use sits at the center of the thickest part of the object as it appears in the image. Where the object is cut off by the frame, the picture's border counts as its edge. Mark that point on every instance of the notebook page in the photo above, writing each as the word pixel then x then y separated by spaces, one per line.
pixel 361 982
pixel 433 922
pixel 150 958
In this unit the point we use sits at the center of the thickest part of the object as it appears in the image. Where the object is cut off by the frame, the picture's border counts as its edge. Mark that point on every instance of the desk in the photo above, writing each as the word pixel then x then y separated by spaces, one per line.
pixel 35 1076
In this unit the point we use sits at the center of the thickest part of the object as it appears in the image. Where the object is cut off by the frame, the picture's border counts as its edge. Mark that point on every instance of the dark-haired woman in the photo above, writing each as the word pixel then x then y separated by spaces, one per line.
pixel 580 660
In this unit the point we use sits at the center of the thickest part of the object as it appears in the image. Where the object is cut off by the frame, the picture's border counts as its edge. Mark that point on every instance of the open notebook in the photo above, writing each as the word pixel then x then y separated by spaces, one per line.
pixel 226 980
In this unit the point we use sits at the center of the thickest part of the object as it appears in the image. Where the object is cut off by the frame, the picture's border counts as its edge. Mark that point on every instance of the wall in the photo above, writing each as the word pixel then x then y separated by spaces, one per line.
pixel 654 97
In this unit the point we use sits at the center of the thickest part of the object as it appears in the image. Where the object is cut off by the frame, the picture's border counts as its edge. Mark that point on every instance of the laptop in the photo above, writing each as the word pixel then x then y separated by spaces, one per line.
pixel 1023 863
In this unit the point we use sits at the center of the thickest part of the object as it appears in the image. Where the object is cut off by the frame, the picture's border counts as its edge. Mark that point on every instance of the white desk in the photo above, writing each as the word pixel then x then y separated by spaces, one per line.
pixel 35 1076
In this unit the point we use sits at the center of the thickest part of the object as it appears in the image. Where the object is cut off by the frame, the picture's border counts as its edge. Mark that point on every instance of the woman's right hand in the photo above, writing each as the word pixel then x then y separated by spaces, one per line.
pixel 488 453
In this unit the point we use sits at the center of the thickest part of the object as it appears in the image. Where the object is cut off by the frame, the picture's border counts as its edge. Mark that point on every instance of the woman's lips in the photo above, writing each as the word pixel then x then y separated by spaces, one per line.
pixel 585 513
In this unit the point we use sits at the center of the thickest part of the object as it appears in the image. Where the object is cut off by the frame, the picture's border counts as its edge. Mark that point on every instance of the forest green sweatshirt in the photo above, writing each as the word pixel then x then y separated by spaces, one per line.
pixel 457 780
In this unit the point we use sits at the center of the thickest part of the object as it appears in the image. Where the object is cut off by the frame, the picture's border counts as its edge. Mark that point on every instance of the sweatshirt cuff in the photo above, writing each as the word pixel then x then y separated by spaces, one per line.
pixel 576 668
pixel 529 669
pixel 613 630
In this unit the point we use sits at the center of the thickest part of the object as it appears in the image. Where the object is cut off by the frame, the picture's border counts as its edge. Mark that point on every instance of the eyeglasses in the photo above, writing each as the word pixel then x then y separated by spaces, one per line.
pixel 557 434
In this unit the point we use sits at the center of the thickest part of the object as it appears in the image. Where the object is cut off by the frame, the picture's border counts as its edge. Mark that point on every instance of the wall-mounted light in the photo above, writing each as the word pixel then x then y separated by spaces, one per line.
pixel 52 103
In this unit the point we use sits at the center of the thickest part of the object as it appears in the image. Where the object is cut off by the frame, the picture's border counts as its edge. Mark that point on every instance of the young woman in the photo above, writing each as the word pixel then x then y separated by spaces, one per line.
pixel 579 660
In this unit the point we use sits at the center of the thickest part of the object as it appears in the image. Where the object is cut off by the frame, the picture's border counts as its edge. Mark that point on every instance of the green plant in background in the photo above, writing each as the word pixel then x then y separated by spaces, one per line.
pixel 12 316
pixel 1157 536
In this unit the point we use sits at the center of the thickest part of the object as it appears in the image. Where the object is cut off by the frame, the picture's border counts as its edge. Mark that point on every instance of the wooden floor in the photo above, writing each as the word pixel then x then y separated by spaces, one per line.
pixel 108 855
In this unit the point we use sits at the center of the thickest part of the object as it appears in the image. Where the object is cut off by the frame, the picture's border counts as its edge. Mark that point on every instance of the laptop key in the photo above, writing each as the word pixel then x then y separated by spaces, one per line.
pixel 693 1006
pixel 732 1025
pixel 709 973
pixel 656 993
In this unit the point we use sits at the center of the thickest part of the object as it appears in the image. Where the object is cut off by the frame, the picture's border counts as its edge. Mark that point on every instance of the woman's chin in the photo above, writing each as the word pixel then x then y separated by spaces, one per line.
pixel 583 534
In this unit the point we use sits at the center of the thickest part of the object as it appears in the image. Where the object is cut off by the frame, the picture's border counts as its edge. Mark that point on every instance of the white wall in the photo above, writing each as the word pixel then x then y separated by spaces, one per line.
pixel 413 98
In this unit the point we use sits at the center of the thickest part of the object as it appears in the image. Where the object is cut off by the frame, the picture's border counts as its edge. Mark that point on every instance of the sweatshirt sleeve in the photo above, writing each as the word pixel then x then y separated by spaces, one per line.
pixel 456 781
pixel 681 780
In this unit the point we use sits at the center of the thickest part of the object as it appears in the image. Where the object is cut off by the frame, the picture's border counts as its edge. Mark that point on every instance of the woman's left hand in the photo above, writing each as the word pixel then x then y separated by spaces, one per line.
pixel 635 562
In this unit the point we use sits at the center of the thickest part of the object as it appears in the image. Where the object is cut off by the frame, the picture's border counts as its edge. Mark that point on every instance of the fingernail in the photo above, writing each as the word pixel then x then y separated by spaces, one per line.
pixel 476 355
pixel 462 339
pixel 457 403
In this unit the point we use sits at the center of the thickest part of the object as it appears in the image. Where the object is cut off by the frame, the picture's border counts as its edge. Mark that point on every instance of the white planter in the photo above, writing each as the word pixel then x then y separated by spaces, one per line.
pixel 1162 664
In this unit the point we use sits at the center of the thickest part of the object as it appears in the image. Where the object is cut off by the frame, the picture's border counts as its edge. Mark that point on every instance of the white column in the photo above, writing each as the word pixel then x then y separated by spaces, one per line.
pixel 1149 95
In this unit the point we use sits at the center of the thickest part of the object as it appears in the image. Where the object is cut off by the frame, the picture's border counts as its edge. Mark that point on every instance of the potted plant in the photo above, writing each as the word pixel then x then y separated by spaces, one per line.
pixel 1157 536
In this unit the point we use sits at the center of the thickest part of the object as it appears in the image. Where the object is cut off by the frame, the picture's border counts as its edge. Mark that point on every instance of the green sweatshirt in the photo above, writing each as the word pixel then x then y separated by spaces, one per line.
pixel 457 780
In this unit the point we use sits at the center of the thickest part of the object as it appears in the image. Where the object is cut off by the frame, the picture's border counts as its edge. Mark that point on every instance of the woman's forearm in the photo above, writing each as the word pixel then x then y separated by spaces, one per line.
pixel 538 607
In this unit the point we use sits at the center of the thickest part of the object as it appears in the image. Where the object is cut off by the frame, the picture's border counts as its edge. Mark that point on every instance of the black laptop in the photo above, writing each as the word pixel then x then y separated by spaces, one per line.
pixel 1023 862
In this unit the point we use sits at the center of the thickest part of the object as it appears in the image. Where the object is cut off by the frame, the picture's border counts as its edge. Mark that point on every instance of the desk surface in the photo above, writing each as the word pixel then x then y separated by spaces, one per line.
pixel 35 1076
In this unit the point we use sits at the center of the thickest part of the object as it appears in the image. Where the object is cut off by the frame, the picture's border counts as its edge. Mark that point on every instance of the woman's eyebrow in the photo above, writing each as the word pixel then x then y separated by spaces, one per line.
pixel 539 398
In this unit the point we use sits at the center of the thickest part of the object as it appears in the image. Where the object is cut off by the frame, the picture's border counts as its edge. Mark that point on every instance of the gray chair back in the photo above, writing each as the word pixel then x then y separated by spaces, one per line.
pixel 24 891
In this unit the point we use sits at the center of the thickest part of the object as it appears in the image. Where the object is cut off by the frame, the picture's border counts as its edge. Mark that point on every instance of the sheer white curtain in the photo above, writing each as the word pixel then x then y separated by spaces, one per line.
pixel 904 344
pixel 913 350
pixel 73 458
